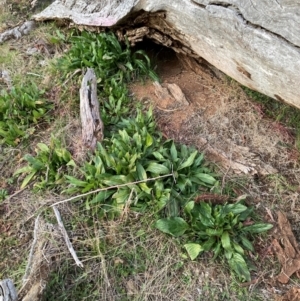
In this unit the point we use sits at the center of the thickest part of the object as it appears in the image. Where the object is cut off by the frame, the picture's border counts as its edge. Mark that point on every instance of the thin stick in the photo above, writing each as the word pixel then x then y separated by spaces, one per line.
pixel 29 263
pixel 110 187
pixel 66 237
pixel 127 204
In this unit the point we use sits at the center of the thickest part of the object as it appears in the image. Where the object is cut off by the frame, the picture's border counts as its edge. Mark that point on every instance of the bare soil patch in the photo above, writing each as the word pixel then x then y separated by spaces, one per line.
pixel 220 119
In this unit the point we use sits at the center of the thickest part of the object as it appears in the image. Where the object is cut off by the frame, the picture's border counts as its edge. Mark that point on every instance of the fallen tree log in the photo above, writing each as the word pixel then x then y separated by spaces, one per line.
pixel 256 42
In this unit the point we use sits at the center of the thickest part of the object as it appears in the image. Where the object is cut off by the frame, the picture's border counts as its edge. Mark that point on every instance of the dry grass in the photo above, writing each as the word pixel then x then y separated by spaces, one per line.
pixel 126 260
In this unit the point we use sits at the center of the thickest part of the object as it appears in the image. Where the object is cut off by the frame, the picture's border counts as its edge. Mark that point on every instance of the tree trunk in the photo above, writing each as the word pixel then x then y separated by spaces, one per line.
pixel 256 42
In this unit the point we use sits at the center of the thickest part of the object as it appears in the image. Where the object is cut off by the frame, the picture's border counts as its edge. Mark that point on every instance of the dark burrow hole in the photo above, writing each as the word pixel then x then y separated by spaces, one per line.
pixel 164 60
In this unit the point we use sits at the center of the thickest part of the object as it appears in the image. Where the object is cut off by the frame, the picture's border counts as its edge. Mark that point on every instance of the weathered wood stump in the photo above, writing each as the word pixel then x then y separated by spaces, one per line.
pixel 92 125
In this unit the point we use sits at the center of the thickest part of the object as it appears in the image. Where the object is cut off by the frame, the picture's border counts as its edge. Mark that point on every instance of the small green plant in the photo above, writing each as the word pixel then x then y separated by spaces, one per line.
pixel 47 168
pixel 114 65
pixel 3 194
pixel 20 111
pixel 221 229
pixel 107 57
pixel 114 102
pixel 137 153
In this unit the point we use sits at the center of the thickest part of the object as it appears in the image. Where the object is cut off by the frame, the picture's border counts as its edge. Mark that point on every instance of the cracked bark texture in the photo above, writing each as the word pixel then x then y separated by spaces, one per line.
pixel 256 42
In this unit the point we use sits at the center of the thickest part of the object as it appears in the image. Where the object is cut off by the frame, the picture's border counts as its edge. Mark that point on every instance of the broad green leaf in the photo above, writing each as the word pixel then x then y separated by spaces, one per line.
pixel 258 228
pixel 172 207
pixel 205 210
pixel 193 250
pixel 228 253
pixel 217 250
pixel 102 196
pixel 184 150
pixel 189 161
pixel 141 172
pixel 149 140
pixel 116 180
pixel 175 226
pixel 36 164
pixel 163 200
pixel 205 178
pixel 43 147
pixel 145 188
pixel 76 182
pixel 214 232
pixel 157 168
pixel 208 244
pixel 71 163
pixel 125 137
pixel 246 243
pixel 189 207
pixel 238 248
pixel 237 263
pixel 129 66
pixel 159 188
pixel 121 196
pixel 247 213
pixel 236 208
pixel 158 156
pixel 173 152
pixel 199 160
pixel 225 239
pixel 27 179
pixel 25 169
pixel 203 213
pixel 66 155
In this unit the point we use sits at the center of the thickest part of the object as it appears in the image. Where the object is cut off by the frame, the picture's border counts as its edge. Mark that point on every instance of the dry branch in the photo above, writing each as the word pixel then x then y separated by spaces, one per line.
pixel 29 263
pixel 92 125
pixel 66 237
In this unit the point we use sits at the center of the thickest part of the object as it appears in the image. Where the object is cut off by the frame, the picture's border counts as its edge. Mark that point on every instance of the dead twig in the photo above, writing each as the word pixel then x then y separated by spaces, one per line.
pixel 29 263
pixel 66 237
pixel 110 187
pixel 127 204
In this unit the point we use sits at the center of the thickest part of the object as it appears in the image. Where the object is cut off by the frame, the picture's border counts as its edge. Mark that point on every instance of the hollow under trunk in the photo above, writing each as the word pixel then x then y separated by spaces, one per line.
pixel 256 42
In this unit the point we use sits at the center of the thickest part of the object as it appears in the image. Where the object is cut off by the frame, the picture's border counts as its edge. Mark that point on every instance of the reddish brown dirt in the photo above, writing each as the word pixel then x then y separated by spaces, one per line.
pixel 220 119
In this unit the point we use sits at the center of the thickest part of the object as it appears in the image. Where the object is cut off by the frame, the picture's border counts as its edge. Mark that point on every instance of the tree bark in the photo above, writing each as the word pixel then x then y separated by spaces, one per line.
pixel 256 42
